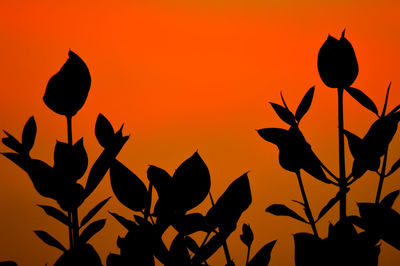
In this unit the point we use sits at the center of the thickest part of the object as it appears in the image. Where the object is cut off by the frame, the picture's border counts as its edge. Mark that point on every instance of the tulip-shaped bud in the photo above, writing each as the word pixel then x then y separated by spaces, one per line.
pixel 247 236
pixel 68 89
pixel 337 63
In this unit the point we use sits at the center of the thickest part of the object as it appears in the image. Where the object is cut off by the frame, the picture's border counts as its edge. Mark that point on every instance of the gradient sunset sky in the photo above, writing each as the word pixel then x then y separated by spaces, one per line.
pixel 186 77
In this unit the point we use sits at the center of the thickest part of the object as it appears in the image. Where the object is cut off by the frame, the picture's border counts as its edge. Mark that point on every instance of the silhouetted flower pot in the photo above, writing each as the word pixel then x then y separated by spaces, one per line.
pixel 337 63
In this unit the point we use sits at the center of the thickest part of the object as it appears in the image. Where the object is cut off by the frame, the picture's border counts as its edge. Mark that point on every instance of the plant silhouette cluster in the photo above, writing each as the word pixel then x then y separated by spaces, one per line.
pixel 168 200
pixel 344 245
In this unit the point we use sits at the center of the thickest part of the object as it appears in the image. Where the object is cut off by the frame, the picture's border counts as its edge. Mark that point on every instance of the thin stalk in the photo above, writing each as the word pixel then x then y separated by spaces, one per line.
pixel 248 255
pixel 74 214
pixel 306 205
pixel 71 237
pixel 342 169
pixel 381 178
pixel 225 245
pixel 147 209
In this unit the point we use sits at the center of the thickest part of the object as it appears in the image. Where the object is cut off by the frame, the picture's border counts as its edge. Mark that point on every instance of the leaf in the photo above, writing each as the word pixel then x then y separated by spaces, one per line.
pixel 355 143
pixel 91 230
pixel 49 240
pixel 247 235
pixel 395 166
pixel 389 199
pixel 104 131
pixel 382 221
pixel 363 99
pixel 29 134
pixel 282 210
pixel 190 183
pixel 93 212
pixel 276 136
pixel 128 224
pixel 56 213
pixel 284 114
pixel 127 187
pixel 329 205
pixel 80 255
pixel 210 247
pixel 305 104
pixel 386 100
pixel 232 203
pixel 160 179
pixel 191 244
pixel 263 256
pixel 190 223
pixel 11 142
pixel 70 162
pixel 178 253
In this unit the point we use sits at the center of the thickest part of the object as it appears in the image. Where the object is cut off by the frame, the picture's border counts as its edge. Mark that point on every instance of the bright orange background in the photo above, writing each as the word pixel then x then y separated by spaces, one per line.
pixel 186 77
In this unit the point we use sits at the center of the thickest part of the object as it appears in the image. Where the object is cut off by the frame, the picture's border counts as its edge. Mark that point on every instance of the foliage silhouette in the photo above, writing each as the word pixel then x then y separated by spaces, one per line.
pixel 177 195
pixel 344 245
pixel 65 94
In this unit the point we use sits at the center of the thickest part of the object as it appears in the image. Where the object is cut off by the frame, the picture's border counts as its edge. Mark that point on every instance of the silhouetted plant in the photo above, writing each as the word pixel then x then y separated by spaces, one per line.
pixel 177 195
pixel 65 94
pixel 338 68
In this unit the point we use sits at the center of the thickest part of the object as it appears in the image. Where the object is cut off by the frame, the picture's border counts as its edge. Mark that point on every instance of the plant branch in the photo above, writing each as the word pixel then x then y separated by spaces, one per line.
pixel 306 205
pixel 342 167
pixel 381 177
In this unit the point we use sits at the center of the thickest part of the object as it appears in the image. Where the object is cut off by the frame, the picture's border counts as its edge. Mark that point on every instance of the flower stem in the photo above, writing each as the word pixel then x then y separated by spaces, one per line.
pixel 342 169
pixel 381 178
pixel 248 255
pixel 306 205
pixel 73 215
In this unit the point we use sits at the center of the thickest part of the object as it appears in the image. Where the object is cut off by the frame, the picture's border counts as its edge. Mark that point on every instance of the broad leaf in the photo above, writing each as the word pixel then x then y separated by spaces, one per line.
pixel 93 212
pixel 104 131
pixel 49 240
pixel 230 206
pixel 128 224
pixel 276 136
pixel 190 183
pixel 29 134
pixel 56 213
pixel 363 99
pixel 282 210
pixel 160 179
pixel 263 256
pixel 389 199
pixel 304 104
pixel 127 187
pixel 355 143
pixel 284 114
pixel 91 230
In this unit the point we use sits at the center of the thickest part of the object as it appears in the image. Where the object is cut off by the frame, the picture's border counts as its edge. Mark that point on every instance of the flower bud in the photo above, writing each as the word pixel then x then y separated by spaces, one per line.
pixel 67 90
pixel 337 63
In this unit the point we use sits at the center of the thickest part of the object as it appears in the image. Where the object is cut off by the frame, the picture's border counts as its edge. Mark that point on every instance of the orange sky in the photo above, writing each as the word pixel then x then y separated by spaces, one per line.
pixel 186 77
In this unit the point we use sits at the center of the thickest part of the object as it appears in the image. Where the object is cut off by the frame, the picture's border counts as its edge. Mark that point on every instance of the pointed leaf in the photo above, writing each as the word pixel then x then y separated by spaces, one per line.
pixel 389 199
pixel 190 183
pixel 127 187
pixel 29 134
pixel 276 136
pixel 93 212
pixel 160 179
pixel 49 240
pixel 263 256
pixel 56 213
pixel 355 143
pixel 11 142
pixel 284 114
pixel 191 244
pixel 104 131
pixel 386 100
pixel 247 235
pixel 305 104
pixel 363 99
pixel 128 224
pixel 329 205
pixel 91 230
pixel 395 166
pixel 282 210
pixel 230 206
